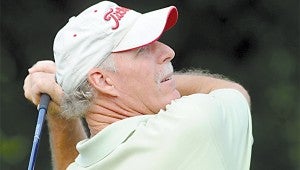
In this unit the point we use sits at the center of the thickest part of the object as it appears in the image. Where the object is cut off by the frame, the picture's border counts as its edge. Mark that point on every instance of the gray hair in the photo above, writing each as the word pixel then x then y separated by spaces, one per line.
pixel 76 103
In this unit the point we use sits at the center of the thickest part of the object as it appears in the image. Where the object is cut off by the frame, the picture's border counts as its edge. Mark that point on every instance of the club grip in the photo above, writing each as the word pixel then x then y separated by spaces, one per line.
pixel 44 102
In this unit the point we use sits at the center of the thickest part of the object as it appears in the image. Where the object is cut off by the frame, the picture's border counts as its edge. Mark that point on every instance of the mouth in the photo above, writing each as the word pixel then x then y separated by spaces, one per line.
pixel 167 78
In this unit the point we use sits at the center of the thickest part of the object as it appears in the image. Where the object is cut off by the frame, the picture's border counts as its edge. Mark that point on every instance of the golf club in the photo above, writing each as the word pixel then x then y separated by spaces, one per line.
pixel 42 108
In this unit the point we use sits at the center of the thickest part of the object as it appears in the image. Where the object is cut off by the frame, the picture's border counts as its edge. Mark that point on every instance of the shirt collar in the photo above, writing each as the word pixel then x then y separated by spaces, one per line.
pixel 103 143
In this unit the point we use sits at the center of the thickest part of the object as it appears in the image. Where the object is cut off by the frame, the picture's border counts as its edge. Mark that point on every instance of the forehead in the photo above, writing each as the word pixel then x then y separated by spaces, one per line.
pixel 123 59
pixel 144 50
pixel 128 53
pixel 124 54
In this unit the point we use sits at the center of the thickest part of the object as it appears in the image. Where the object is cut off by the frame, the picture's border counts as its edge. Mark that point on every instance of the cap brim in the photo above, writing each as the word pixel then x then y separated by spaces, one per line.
pixel 148 28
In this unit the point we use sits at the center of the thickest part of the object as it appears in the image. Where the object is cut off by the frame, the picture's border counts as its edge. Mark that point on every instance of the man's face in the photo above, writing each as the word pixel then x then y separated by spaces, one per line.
pixel 144 77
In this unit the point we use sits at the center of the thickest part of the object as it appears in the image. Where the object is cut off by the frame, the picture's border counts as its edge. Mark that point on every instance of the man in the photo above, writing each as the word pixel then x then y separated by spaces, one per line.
pixel 110 68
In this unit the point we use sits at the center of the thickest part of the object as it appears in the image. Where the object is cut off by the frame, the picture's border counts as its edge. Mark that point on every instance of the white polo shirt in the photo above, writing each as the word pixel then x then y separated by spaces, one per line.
pixel 197 132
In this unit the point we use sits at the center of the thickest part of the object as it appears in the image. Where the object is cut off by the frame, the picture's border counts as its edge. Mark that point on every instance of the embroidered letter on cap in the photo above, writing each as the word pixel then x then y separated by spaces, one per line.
pixel 116 15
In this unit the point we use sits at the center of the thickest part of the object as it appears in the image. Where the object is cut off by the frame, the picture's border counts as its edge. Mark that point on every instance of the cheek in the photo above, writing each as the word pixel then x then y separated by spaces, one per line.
pixel 137 76
pixel 144 73
pixel 136 82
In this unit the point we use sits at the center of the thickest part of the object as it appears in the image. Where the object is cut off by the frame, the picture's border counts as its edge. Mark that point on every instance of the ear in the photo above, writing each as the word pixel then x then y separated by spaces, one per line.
pixel 100 80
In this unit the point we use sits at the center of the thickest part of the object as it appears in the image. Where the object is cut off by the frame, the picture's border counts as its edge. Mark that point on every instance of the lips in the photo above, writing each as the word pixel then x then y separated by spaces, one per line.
pixel 165 75
pixel 167 78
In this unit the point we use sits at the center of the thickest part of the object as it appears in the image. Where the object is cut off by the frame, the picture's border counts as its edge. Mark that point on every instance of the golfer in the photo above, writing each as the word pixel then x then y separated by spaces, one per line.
pixel 111 69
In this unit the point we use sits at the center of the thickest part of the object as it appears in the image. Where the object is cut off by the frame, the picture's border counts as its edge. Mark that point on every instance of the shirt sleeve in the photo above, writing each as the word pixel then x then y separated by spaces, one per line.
pixel 232 126
pixel 215 128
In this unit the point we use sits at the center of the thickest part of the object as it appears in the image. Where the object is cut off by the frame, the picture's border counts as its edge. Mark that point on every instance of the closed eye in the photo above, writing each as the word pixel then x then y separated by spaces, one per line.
pixel 142 49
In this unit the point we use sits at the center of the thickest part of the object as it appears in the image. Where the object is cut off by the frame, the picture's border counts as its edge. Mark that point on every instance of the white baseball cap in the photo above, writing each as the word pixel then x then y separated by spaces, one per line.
pixel 103 28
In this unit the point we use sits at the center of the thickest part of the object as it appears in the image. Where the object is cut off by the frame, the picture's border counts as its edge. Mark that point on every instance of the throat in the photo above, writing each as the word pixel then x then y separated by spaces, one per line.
pixel 104 112
pixel 97 121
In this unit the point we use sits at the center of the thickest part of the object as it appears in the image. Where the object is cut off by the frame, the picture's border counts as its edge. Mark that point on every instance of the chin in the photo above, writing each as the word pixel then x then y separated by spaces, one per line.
pixel 175 95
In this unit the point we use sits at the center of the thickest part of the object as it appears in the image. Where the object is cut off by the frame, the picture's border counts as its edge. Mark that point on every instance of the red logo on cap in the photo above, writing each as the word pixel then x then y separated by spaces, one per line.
pixel 116 15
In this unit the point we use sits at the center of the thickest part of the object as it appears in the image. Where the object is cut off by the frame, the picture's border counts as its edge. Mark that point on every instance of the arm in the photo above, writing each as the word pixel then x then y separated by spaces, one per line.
pixel 205 83
pixel 64 134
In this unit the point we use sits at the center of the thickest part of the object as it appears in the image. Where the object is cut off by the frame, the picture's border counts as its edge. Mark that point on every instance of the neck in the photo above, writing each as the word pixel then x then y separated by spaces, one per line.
pixel 105 112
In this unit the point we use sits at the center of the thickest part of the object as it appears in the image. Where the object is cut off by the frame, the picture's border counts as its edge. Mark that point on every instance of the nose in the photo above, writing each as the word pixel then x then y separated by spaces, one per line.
pixel 164 52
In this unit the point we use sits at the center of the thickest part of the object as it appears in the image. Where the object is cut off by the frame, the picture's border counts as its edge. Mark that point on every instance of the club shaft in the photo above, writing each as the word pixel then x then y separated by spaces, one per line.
pixel 38 130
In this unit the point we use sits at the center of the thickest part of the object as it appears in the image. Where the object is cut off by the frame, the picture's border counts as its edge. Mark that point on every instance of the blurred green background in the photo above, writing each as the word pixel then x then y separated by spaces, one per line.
pixel 253 42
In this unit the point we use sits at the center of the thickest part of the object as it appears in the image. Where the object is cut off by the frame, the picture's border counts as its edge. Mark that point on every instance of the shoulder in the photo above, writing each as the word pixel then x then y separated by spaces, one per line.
pixel 216 110
pixel 222 115
pixel 216 101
